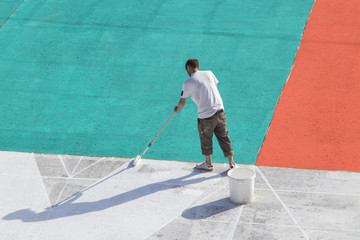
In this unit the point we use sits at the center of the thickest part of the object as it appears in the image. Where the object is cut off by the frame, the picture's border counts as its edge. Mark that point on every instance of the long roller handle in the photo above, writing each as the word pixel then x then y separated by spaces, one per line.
pixel 157 135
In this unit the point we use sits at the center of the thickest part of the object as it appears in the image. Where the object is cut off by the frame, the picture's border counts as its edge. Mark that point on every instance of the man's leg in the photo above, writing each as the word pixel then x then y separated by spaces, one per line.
pixel 206 132
pixel 231 160
pixel 221 133
pixel 208 159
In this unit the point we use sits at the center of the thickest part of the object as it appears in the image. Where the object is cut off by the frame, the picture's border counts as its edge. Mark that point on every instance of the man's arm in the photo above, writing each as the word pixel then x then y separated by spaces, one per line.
pixel 180 105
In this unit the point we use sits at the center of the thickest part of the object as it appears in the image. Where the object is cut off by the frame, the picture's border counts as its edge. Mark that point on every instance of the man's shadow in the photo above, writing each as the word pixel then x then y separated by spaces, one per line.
pixel 71 208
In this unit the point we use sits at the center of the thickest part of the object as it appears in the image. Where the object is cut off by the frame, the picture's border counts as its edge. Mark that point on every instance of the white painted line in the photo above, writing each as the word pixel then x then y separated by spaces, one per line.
pixel 113 173
pixel 74 178
pixel 234 224
pixel 42 182
pixel 252 223
pixel 285 226
pixel 72 173
pixel 213 193
pixel 309 192
pixel 167 223
pixel 88 167
pixel 321 193
pixel 283 204
pixel 61 192
pixel 332 229
pixel 63 163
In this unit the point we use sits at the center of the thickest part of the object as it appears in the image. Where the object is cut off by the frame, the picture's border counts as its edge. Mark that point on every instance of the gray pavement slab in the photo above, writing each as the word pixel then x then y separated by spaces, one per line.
pixel 108 198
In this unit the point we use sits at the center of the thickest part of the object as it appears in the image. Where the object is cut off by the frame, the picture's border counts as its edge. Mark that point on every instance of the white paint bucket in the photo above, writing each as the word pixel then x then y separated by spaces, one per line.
pixel 241 183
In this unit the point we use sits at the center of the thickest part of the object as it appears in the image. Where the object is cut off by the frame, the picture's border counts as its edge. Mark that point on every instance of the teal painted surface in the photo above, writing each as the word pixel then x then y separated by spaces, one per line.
pixel 102 77
pixel 7 7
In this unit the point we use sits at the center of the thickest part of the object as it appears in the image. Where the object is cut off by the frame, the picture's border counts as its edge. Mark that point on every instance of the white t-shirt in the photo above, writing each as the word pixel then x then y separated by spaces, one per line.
pixel 201 87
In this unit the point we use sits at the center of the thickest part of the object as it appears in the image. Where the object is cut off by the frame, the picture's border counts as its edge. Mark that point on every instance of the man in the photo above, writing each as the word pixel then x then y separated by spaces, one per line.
pixel 202 88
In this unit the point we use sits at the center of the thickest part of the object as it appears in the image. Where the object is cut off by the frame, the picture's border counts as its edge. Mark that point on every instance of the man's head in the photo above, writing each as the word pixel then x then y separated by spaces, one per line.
pixel 191 66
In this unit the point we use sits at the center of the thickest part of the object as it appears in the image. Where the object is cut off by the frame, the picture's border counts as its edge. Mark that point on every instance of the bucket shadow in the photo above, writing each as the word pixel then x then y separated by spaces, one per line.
pixel 209 209
pixel 72 208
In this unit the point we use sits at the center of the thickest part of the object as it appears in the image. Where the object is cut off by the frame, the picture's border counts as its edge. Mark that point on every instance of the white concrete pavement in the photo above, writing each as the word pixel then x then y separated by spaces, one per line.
pixel 168 200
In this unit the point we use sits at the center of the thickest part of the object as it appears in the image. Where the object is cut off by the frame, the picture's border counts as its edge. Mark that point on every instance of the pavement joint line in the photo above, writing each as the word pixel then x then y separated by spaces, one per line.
pixel 283 204
pixel 63 163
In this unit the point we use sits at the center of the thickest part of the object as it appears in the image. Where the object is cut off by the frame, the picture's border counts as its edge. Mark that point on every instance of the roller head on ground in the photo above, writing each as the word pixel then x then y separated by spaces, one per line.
pixel 136 160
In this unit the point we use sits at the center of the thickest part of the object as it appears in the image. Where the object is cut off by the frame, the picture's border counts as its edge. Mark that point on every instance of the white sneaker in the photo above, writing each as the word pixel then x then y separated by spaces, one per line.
pixel 233 166
pixel 205 166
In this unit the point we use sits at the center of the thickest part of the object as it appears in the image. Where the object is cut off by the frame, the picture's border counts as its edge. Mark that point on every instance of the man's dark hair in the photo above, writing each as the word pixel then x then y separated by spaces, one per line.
pixel 193 63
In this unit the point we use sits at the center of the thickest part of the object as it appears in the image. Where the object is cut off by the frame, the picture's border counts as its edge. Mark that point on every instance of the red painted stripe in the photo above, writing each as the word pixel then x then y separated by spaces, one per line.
pixel 316 124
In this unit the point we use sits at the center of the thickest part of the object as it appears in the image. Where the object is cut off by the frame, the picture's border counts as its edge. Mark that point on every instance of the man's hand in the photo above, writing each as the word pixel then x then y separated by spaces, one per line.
pixel 180 105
